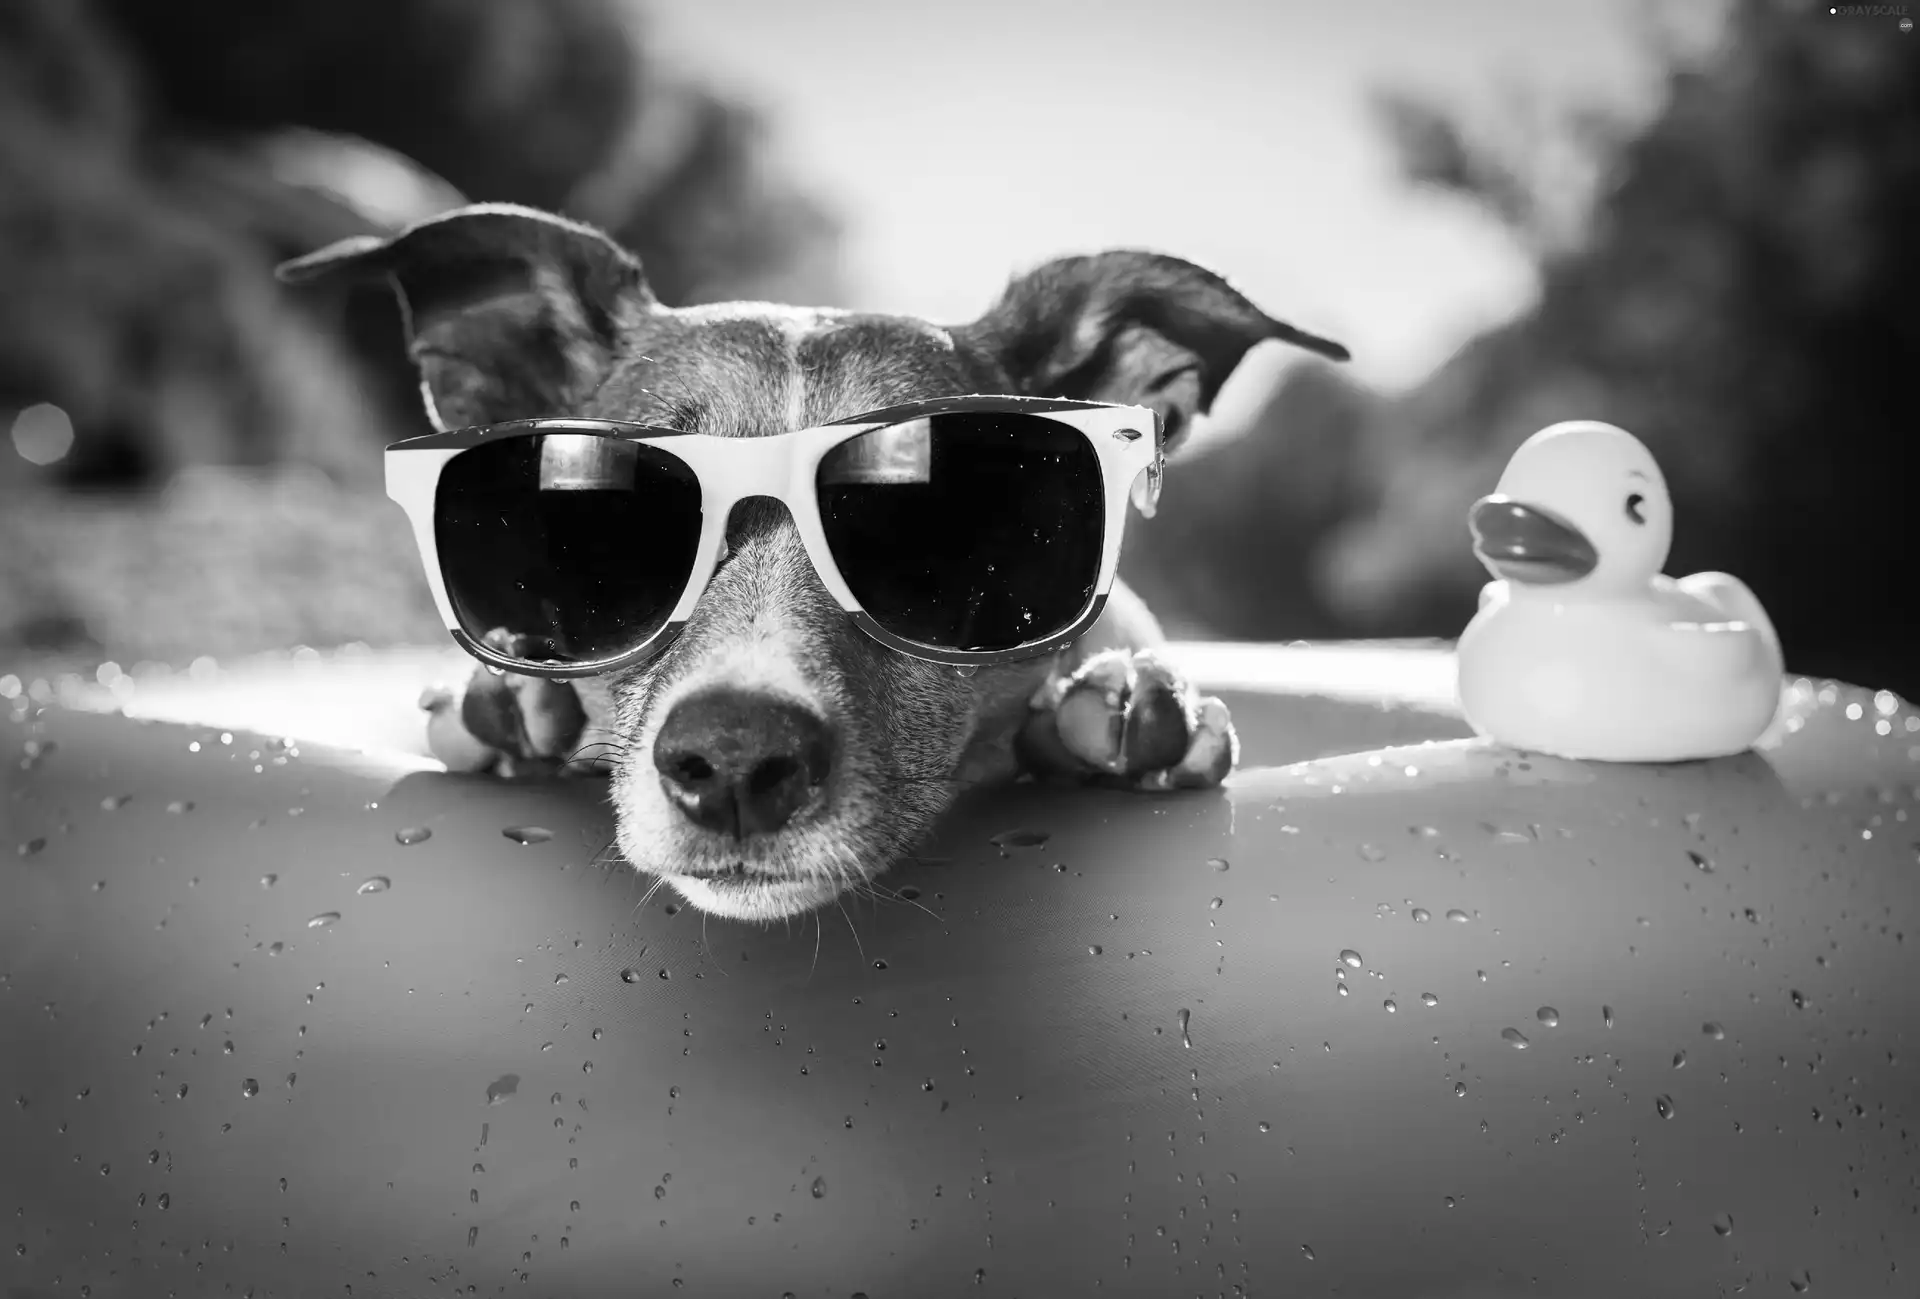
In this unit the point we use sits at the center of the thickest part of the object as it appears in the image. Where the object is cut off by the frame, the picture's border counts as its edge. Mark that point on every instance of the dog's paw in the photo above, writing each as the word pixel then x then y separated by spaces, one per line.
pixel 505 723
pixel 1127 718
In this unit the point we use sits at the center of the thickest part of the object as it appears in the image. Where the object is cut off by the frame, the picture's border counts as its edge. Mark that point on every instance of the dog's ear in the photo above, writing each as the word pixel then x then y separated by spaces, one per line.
pixel 510 313
pixel 1131 327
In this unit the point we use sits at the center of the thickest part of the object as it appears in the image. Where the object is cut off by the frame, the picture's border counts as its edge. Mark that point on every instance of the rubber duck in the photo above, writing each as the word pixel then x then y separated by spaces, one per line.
pixel 1581 648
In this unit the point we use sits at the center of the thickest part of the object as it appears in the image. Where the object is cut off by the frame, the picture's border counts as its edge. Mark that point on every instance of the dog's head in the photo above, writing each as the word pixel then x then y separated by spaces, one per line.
pixel 845 750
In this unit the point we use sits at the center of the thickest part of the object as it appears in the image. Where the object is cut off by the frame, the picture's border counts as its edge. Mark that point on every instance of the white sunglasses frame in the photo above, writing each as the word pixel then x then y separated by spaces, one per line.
pixel 783 466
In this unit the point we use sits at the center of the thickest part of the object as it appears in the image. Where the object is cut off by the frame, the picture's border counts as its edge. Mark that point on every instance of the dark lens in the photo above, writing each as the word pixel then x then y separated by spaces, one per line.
pixel 578 542
pixel 967 531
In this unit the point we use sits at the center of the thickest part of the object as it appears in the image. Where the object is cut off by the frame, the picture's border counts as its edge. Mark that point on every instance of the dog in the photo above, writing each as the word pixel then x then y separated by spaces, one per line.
pixel 834 752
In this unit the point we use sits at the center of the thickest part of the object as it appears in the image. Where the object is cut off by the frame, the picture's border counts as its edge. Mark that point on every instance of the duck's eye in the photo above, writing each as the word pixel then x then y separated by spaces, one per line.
pixel 1635 512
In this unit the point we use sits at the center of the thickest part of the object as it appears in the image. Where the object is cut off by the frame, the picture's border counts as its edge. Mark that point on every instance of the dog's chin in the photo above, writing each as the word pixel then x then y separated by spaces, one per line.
pixel 754 897
pixel 768 876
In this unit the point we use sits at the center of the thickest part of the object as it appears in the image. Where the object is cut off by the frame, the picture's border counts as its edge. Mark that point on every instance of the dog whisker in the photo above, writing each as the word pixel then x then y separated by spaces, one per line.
pixel 858 946
pixel 708 948
pixel 881 894
pixel 606 852
pixel 658 882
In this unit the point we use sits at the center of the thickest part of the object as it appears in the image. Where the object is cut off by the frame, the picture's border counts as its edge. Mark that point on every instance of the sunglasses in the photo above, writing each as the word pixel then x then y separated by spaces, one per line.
pixel 966 530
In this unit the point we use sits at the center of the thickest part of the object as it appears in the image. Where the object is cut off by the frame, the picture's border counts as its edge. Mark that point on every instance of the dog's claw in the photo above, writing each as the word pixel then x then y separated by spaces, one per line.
pixel 1129 719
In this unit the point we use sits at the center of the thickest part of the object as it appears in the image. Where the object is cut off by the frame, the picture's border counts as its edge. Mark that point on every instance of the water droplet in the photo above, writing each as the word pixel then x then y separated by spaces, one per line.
pixel 1700 863
pixel 527 834
pixel 1722 1224
pixel 1458 916
pixel 473 1234
pixel 1019 839
pixel 1219 863
pixel 251 1087
pixel 1095 950
pixel 1428 999
pixel 1341 988
pixel 1265 1126
pixel 819 1188
pixel 1372 852
pixel 376 884
pixel 268 881
pixel 412 835
pixel 1548 1015
pixel 1606 1016
pixel 1460 1089
pixel 324 919
pixel 1663 1105
pixel 1679 1059
pixel 1186 1018
pixel 560 978
pixel 1421 915
pixel 179 806
pixel 1799 1001
pixel 1515 1037
pixel 114 802
pixel 165 1200
pixel 1350 958
pixel 586 1066
pixel 182 1093
pixel 1714 1031
pixel 1308 1251
pixel 629 976
pixel 1216 904
pixel 1391 1006
pixel 502 1087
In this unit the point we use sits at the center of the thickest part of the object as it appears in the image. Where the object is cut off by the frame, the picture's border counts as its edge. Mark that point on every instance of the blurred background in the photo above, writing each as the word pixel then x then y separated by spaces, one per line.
pixel 1695 218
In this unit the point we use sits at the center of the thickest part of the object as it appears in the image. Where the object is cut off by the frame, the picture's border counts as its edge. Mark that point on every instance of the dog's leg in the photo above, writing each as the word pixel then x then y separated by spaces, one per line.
pixel 1127 718
pixel 507 723
pixel 1113 712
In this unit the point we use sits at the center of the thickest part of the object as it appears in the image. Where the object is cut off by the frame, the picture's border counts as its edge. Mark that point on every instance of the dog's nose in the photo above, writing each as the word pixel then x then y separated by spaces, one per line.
pixel 740 763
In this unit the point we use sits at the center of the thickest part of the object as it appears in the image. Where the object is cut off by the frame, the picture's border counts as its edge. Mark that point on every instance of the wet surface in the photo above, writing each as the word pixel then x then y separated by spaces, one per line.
pixel 1202 1044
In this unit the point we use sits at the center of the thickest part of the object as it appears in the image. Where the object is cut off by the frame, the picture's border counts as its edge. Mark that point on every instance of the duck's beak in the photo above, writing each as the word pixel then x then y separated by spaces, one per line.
pixel 1523 543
